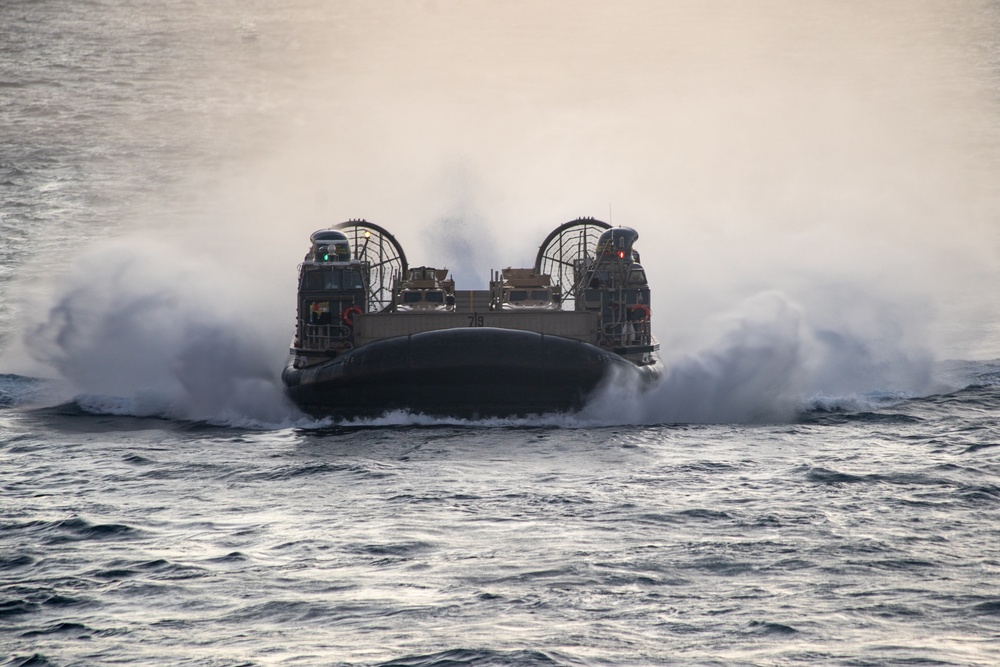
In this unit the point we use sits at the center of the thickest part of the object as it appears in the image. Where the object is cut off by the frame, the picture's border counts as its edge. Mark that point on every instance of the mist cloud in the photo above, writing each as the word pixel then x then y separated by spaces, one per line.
pixel 147 332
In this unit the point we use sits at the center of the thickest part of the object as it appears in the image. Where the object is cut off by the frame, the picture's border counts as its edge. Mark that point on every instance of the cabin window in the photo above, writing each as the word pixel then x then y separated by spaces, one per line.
pixel 539 295
pixel 331 280
pixel 336 279
pixel 519 295
pixel 434 297
pixel 637 277
pixel 411 297
pixel 336 251
pixel 353 280
pixel 313 280
pixel 322 280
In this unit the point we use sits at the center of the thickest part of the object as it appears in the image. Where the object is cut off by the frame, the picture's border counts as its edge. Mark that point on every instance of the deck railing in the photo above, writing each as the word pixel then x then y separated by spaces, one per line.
pixel 326 336
pixel 625 334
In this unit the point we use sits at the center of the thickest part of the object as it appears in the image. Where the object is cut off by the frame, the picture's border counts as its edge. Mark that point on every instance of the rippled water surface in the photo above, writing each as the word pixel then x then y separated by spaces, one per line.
pixel 812 484
pixel 844 538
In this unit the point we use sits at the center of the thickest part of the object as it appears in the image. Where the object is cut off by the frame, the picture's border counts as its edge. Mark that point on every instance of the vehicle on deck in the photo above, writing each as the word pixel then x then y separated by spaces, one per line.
pixel 523 289
pixel 424 289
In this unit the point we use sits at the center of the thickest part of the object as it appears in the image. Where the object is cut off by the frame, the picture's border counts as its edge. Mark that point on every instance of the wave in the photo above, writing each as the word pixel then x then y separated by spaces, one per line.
pixel 74 529
pixel 19 389
pixel 482 658
pixel 611 406
pixel 157 406
pixel 33 660
pixel 146 408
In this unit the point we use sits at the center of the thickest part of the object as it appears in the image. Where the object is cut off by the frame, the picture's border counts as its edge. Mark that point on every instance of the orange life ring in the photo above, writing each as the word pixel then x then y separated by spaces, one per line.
pixel 639 313
pixel 347 317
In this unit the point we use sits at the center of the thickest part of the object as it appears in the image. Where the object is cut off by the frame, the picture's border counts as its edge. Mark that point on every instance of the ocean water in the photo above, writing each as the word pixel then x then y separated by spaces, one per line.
pixel 816 481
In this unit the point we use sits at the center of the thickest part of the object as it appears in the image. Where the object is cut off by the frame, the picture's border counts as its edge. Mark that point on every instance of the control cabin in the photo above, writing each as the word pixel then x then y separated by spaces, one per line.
pixel 614 285
pixel 332 292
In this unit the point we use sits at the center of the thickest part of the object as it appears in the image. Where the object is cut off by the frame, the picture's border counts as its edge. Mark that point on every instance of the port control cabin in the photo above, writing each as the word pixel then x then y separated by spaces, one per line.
pixel 332 292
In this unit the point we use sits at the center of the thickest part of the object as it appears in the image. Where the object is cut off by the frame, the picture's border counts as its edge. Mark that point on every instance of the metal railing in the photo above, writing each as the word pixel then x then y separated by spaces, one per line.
pixel 626 334
pixel 326 337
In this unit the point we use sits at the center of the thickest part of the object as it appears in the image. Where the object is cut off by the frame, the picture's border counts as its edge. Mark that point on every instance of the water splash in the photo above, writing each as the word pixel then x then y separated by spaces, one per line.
pixel 149 333
pixel 767 363
pixel 145 331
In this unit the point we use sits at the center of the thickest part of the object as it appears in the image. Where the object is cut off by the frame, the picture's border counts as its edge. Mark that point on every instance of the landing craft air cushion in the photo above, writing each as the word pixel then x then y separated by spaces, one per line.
pixel 373 335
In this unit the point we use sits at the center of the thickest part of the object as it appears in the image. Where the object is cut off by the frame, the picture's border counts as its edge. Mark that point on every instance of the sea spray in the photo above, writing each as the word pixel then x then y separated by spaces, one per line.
pixel 765 363
pixel 147 331
pixel 142 330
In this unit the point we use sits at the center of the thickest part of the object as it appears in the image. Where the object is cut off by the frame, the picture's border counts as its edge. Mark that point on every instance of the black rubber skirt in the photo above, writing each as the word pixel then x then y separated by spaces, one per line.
pixel 473 372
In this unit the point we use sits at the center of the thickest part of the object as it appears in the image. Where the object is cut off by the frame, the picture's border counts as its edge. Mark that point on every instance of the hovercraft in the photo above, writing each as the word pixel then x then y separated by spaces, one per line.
pixel 374 335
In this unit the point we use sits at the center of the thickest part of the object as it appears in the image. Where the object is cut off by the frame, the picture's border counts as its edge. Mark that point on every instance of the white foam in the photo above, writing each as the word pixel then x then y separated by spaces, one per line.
pixel 147 331
pixel 765 364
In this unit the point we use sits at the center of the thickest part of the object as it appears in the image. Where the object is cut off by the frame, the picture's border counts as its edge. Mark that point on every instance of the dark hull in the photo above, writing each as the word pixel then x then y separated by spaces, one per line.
pixel 468 372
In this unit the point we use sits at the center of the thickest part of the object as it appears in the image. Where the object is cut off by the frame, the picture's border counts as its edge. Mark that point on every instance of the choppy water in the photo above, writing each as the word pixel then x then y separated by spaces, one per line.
pixel 813 484
pixel 842 538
